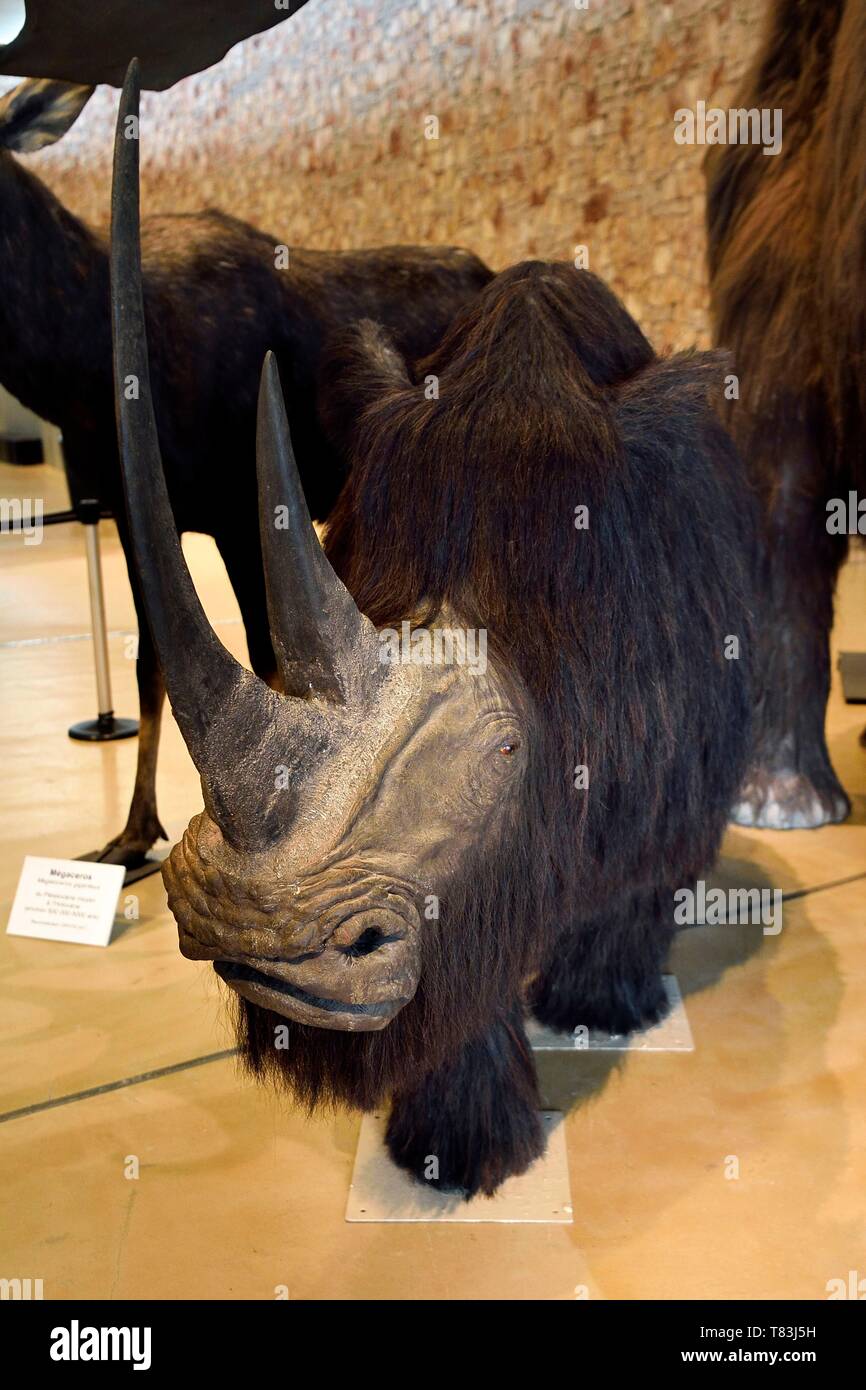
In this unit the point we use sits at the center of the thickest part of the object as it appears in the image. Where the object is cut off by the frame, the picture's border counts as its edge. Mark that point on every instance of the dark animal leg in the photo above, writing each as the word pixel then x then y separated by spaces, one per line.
pixel 143 826
pixel 474 1122
pixel 91 471
pixel 791 783
pixel 607 973
pixel 243 562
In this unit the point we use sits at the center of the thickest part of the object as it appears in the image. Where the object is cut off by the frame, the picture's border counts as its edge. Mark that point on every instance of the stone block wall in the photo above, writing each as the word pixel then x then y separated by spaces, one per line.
pixel 555 129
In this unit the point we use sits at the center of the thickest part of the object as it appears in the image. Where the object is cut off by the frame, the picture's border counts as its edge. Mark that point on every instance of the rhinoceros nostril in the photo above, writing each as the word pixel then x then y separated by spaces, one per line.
pixel 369 941
pixel 363 933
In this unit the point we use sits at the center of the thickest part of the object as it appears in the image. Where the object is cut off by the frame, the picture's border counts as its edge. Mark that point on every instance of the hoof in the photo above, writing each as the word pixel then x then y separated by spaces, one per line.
pixel 130 847
pixel 788 801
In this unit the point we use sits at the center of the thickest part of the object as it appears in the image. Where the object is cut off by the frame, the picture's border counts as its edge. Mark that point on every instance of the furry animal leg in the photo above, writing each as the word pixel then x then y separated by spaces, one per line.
pixel 474 1122
pixel 791 784
pixel 607 973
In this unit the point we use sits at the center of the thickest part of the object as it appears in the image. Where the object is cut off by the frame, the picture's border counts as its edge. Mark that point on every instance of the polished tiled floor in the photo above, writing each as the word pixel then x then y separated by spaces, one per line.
pixel 239 1194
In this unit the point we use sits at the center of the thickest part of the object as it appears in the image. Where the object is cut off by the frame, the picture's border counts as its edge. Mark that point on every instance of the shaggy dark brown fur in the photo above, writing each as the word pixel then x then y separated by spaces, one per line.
pixel 787 253
pixel 613 639
pixel 215 303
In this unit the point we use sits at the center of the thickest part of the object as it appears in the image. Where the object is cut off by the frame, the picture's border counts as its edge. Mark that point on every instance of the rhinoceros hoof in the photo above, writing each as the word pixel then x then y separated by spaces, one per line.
pixel 788 800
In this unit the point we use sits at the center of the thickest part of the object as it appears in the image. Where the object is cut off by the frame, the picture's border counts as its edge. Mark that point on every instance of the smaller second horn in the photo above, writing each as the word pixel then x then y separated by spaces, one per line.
pixel 316 629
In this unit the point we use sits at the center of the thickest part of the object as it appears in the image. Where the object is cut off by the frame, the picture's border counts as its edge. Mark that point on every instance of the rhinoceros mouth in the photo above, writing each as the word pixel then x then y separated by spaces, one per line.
pixel 339 949
pixel 355 979
pixel 291 1001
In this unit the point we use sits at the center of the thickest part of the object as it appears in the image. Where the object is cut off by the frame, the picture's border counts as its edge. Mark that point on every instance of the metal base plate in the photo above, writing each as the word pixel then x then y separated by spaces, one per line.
pixel 852 667
pixel 381 1191
pixel 673 1034
pixel 103 730
pixel 151 865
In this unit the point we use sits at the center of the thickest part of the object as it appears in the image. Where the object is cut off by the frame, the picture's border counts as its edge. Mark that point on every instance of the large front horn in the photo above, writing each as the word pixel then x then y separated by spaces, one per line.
pixel 222 710
pixel 323 644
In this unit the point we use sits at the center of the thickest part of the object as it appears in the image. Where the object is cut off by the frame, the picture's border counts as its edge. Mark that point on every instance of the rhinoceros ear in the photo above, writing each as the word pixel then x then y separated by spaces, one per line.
pixel 36 113
pixel 358 367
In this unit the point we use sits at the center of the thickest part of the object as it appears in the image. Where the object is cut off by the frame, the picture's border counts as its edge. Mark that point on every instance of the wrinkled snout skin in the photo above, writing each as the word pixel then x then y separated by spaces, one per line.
pixel 338 949
pixel 324 927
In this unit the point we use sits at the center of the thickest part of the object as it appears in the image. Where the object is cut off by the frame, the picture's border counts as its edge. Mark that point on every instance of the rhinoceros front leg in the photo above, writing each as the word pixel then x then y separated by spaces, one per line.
pixel 474 1122
pixel 606 974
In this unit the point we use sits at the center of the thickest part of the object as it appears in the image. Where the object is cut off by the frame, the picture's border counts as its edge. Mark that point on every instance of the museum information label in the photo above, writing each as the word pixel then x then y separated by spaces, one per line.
pixel 66 900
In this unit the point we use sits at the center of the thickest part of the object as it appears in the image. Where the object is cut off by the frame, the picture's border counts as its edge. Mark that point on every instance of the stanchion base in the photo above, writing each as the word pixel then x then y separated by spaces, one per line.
pixel 151 864
pixel 103 729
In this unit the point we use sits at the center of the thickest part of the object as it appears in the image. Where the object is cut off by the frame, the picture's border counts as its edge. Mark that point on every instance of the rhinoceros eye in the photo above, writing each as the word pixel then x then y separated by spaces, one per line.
pixel 508 746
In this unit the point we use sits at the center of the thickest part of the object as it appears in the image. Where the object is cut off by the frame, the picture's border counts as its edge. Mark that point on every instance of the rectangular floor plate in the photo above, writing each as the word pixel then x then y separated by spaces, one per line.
pixel 673 1034
pixel 852 666
pixel 381 1191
